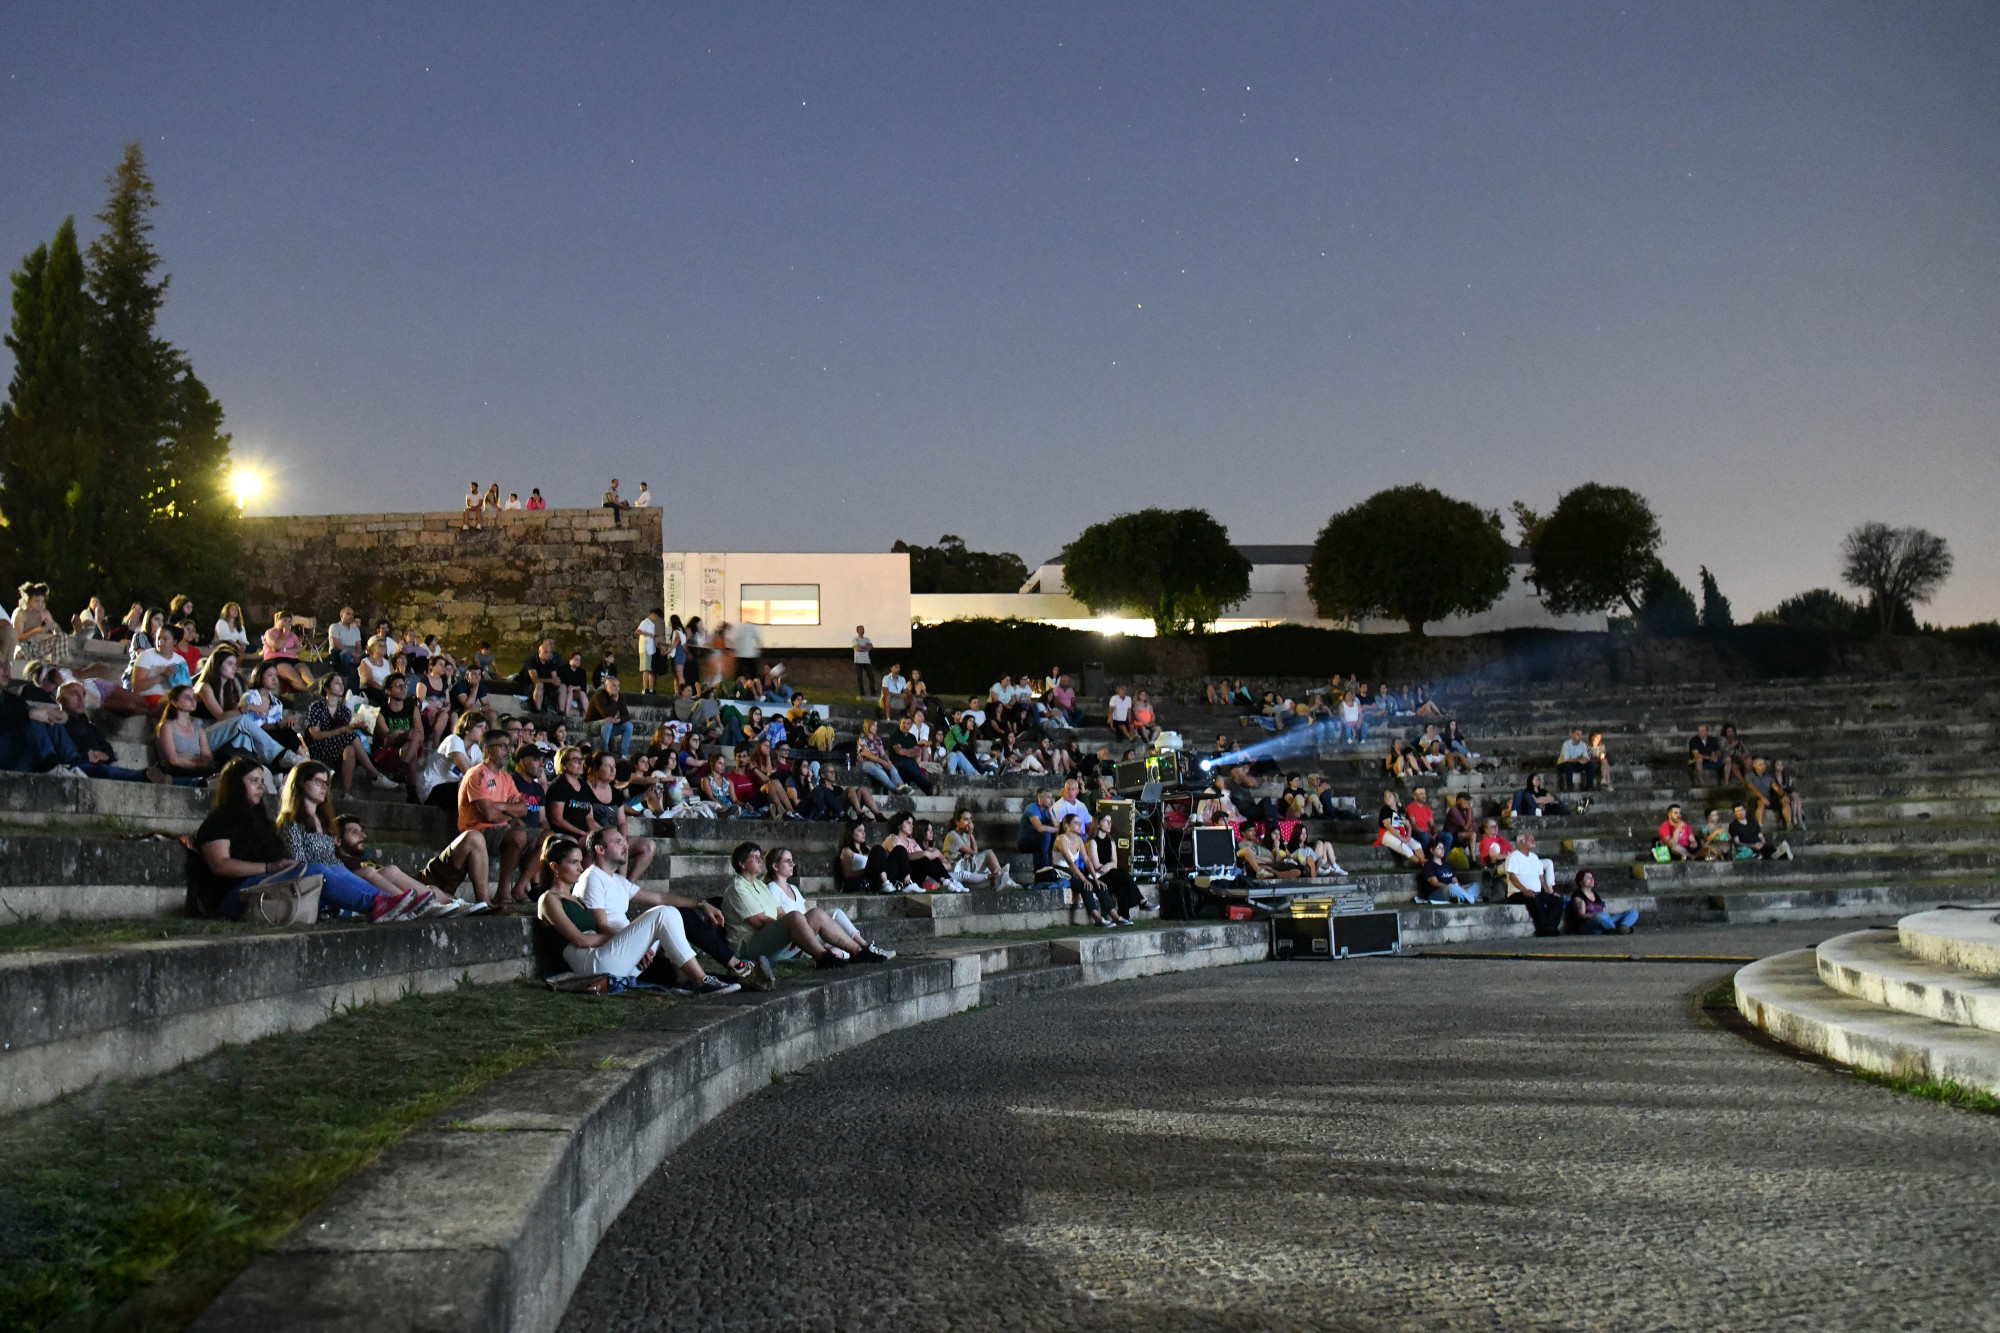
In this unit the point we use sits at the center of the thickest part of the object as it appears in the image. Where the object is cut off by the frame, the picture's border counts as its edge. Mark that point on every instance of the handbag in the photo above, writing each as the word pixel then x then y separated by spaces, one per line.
pixel 283 902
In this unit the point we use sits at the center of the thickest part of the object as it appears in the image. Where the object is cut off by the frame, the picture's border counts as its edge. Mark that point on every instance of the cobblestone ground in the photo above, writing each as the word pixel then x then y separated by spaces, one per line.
pixel 1378 1144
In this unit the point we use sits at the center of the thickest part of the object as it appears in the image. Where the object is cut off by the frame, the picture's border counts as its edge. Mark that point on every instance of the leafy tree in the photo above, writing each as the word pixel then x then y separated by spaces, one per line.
pixel 49 453
pixel 1412 554
pixel 1593 551
pixel 949 567
pixel 1821 608
pixel 124 491
pixel 1715 612
pixel 1665 604
pixel 1175 565
pixel 1897 567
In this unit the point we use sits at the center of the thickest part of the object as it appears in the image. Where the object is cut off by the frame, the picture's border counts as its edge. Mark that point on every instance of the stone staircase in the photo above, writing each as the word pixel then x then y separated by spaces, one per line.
pixel 1920 1003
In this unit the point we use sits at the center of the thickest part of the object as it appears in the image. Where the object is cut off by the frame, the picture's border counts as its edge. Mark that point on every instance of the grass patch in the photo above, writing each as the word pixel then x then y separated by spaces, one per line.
pixel 132 1205
pixel 1946 1091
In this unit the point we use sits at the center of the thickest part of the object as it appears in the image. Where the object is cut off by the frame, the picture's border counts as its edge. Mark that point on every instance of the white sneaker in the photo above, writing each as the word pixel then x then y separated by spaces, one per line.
pixel 68 771
pixel 386 784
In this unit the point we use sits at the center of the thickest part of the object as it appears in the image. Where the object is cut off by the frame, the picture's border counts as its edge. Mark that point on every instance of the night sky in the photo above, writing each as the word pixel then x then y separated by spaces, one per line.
pixel 827 275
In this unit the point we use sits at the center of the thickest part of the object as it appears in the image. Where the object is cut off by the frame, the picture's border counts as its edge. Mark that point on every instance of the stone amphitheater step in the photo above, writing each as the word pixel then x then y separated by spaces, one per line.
pixel 1961 939
pixel 1872 965
pixel 55 875
pixel 1785 996
pixel 48 799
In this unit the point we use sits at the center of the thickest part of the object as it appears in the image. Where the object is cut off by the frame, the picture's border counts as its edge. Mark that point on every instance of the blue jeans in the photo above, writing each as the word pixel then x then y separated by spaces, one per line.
pixel 1461 893
pixel 1603 923
pixel 342 889
pixel 880 774
pixel 245 733
pixel 36 747
pixel 622 730
pixel 913 773
pixel 956 762
pixel 1354 731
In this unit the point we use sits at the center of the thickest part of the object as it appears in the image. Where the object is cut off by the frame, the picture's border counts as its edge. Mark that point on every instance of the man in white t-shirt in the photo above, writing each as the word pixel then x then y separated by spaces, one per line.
pixel 1120 708
pixel 1070 803
pixel 649 647
pixel 343 640
pixel 689 924
pixel 1531 881
pixel 864 665
pixel 645 500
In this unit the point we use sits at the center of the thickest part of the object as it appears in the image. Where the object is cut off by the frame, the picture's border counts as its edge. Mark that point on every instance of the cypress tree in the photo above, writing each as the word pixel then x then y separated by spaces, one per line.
pixel 1715 612
pixel 50 454
pixel 166 459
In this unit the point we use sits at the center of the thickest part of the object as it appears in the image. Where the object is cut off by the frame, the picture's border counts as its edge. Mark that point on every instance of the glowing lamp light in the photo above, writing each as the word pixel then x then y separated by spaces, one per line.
pixel 246 484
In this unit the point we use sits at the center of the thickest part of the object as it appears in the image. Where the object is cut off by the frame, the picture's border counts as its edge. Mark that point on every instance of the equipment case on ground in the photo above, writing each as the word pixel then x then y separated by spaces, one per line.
pixel 1310 928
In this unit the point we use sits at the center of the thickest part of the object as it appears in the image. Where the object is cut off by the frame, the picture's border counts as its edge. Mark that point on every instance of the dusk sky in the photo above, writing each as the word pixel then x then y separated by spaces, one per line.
pixel 827 276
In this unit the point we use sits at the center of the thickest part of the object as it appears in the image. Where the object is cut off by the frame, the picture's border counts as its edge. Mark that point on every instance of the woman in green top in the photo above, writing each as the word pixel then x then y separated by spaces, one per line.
pixel 758 928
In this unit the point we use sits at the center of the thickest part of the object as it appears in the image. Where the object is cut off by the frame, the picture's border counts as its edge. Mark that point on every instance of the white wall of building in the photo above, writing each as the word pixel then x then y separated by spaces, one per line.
pixel 853 588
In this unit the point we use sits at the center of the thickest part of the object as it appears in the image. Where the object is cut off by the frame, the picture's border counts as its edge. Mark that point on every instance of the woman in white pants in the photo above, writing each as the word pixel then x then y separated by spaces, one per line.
pixel 655 934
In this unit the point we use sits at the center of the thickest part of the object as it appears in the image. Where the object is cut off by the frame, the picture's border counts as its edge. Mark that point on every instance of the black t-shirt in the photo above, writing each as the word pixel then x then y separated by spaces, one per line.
pixel 251 837
pixel 541 668
pixel 463 695
pixel 605 671
pixel 572 798
pixel 1706 747
pixel 1746 831
pixel 570 675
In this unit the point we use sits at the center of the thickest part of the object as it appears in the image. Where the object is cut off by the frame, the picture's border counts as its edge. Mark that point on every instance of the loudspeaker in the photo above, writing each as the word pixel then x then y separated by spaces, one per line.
pixel 1122 818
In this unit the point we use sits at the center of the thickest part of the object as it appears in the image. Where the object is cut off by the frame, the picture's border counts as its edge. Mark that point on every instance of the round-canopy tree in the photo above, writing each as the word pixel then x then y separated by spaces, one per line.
pixel 1174 565
pixel 1595 549
pixel 1897 567
pixel 1411 554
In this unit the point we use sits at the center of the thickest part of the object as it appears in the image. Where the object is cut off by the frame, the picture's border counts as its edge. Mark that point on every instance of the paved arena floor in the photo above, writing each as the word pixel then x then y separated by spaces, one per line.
pixel 1376 1144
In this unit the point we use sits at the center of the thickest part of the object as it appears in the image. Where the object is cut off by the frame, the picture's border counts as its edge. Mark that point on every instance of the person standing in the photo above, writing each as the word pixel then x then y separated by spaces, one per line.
pixel 864 663
pixel 649 650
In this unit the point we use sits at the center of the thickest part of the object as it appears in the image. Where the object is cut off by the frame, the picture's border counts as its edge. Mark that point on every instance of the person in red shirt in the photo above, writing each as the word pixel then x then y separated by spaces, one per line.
pixel 490 804
pixel 1677 835
pixel 1418 811
pixel 1493 849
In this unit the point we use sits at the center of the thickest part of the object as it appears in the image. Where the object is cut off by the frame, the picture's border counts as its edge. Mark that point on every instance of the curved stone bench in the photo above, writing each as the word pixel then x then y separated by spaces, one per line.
pixel 73 1017
pixel 486 1217
pixel 1968 940
pixel 1784 996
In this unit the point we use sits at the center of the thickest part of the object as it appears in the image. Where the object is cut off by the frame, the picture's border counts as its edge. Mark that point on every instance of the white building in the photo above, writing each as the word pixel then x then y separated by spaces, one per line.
pixel 803 599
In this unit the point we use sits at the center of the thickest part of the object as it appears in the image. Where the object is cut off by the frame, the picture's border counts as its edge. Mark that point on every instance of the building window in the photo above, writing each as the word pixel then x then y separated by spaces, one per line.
pixel 780 603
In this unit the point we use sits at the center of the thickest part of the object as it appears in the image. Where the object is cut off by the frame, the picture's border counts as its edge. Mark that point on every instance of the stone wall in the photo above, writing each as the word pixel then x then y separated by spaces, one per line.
pixel 567 574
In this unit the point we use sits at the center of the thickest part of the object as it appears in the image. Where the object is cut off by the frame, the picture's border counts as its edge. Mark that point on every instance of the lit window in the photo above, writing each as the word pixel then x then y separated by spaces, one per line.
pixel 780 603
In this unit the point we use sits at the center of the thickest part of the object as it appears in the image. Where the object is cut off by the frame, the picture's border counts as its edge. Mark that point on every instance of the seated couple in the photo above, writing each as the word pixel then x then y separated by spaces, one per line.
pixel 589 907
pixel 768 919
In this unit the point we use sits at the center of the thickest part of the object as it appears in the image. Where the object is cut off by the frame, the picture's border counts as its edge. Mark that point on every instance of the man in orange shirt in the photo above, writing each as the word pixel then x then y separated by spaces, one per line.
pixel 490 804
